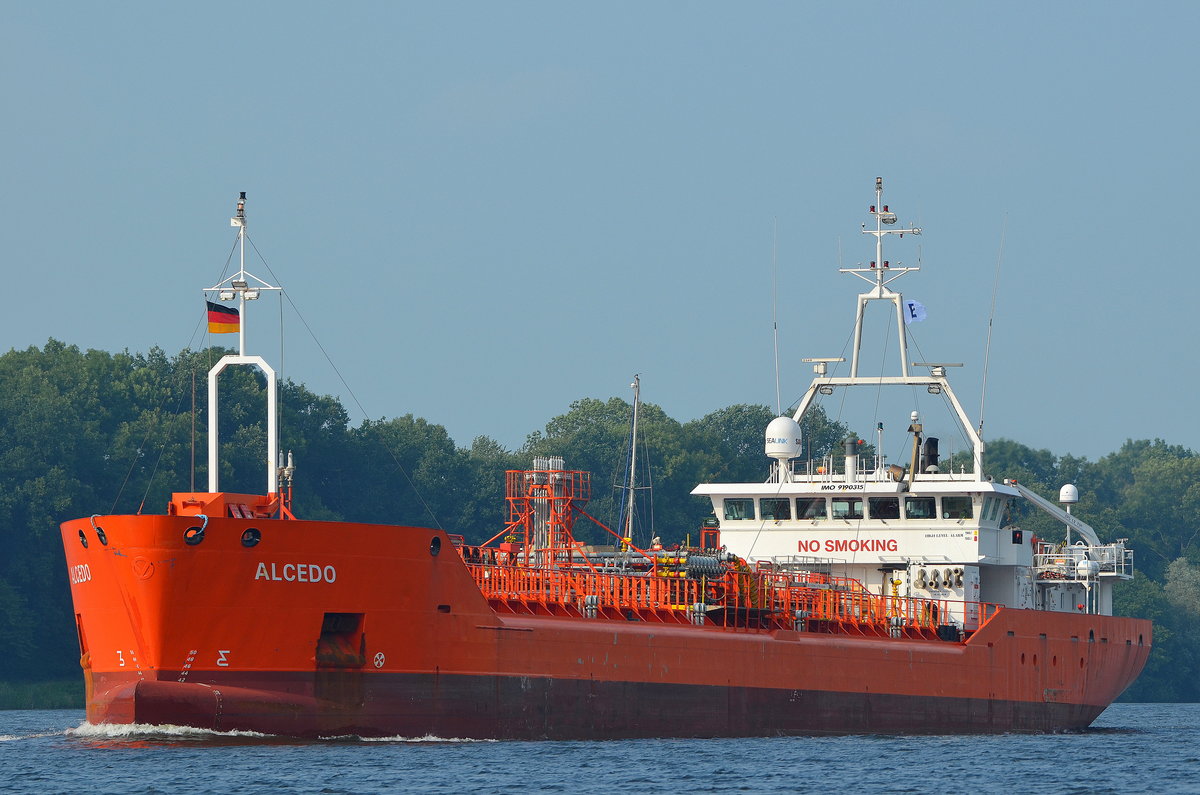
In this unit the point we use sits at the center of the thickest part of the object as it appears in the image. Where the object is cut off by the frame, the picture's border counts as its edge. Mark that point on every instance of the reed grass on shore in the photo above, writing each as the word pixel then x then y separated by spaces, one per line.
pixel 59 694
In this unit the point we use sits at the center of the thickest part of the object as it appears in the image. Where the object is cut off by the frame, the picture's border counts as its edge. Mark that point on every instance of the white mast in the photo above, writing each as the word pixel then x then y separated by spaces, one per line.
pixel 636 385
pixel 240 286
pixel 239 221
pixel 881 274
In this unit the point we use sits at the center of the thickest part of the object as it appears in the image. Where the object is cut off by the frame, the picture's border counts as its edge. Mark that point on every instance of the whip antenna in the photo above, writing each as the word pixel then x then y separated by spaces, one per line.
pixel 987 350
pixel 774 301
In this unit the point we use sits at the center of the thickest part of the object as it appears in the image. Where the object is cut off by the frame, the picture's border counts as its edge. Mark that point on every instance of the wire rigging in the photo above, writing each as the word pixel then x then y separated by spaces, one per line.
pixel 987 350
pixel 349 391
pixel 149 431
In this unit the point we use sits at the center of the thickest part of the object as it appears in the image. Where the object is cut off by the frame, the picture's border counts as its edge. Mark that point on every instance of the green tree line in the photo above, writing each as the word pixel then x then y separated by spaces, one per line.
pixel 85 432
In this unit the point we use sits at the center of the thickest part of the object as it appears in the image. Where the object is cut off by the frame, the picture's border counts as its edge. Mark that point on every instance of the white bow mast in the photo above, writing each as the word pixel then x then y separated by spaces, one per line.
pixel 243 286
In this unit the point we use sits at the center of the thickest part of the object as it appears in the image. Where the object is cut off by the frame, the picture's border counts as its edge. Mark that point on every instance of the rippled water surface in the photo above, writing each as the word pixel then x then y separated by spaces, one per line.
pixel 1131 748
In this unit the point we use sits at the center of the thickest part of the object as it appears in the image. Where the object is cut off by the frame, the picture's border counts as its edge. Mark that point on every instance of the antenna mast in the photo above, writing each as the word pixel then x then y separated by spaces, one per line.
pixel 774 310
pixel 242 286
pixel 637 388
pixel 880 274
pixel 987 348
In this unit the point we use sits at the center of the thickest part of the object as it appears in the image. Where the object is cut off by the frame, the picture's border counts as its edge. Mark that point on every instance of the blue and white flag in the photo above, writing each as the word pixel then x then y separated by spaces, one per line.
pixel 914 312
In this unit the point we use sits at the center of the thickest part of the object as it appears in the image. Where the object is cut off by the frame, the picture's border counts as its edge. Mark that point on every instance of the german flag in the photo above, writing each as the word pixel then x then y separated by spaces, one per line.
pixel 222 319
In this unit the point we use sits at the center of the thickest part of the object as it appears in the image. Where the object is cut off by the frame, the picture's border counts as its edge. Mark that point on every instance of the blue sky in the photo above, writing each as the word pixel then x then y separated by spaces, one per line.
pixel 486 210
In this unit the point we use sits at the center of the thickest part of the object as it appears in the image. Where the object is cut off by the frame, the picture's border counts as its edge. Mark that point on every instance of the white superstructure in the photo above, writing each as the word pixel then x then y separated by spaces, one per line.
pixel 912 530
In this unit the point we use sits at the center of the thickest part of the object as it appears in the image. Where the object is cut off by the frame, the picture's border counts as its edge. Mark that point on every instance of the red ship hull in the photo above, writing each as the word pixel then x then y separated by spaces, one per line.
pixel 223 636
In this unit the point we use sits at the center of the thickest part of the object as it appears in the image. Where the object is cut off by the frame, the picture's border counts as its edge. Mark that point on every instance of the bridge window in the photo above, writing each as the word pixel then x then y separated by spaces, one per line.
pixel 739 508
pixel 811 508
pixel 919 508
pixel 884 507
pixel 956 508
pixel 847 508
pixel 775 508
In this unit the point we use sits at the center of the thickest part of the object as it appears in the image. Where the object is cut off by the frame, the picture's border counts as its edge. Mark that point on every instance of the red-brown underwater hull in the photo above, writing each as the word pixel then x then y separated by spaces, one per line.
pixel 531 708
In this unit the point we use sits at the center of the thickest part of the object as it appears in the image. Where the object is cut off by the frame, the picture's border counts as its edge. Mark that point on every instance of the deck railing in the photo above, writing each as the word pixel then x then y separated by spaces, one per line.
pixel 751 600
pixel 1082 562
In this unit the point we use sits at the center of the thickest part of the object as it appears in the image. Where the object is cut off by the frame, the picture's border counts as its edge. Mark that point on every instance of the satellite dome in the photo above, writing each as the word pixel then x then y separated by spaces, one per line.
pixel 783 439
pixel 1068 494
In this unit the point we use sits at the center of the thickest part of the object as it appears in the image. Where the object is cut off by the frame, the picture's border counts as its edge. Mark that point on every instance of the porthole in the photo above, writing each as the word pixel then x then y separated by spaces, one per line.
pixel 1022 658
pixel 251 536
pixel 83 539
pixel 193 535
pixel 1054 660
pixel 435 546
pixel 100 534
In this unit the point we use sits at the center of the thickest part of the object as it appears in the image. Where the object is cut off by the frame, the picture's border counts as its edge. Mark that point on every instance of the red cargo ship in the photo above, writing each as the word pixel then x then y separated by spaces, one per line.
pixel 837 596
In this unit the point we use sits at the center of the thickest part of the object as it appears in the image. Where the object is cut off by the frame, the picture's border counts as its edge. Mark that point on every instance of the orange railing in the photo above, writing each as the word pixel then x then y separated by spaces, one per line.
pixel 576 591
pixel 739 599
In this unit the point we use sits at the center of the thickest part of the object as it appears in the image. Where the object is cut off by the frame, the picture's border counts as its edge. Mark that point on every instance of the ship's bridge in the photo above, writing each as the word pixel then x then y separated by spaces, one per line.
pixel 869 522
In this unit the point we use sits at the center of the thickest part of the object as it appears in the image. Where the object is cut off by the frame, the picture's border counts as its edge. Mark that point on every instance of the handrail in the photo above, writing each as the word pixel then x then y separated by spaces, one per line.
pixel 748 599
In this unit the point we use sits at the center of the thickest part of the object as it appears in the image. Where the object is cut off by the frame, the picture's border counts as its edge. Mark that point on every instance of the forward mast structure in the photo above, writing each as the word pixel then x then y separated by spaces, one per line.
pixel 243 286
